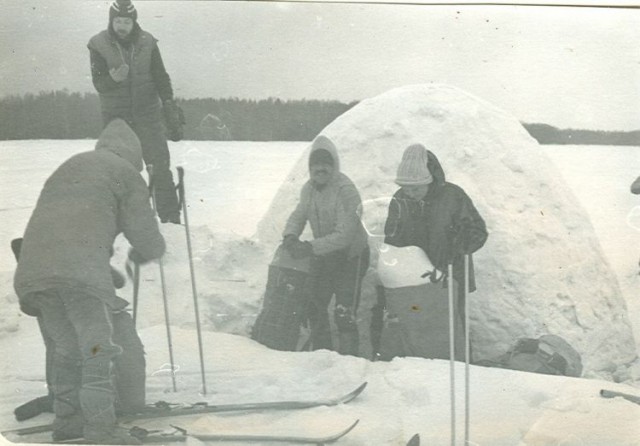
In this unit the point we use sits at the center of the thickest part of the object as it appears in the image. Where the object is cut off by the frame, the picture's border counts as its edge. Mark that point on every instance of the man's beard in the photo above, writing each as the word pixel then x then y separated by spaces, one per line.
pixel 124 38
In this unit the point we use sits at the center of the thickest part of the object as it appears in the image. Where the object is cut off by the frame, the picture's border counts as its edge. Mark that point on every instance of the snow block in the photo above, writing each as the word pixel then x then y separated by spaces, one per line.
pixel 542 270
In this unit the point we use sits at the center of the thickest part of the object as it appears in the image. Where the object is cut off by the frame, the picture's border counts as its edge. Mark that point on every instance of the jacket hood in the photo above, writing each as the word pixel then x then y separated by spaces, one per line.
pixel 435 168
pixel 118 138
pixel 322 142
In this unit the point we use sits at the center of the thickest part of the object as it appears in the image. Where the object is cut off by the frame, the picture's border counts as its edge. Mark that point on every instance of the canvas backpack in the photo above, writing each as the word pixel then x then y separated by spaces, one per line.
pixel 549 354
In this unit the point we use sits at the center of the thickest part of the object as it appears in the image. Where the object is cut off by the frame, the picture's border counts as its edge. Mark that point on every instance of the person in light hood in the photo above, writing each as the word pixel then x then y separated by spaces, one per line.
pixel 64 274
pixel 329 202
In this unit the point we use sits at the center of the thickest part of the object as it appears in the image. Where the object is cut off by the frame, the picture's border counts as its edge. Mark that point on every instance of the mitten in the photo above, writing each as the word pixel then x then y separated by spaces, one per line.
pixel 174 120
pixel 119 74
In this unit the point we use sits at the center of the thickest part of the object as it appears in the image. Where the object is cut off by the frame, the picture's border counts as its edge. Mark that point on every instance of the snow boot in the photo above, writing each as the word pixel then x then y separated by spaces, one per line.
pixel 129 365
pixel 348 342
pixel 34 407
pixel 68 428
pixel 348 337
pixel 66 404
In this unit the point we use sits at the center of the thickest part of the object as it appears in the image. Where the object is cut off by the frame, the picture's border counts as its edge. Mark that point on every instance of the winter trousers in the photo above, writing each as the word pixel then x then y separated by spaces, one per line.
pixel 336 274
pixel 417 323
pixel 155 151
pixel 72 319
pixel 130 376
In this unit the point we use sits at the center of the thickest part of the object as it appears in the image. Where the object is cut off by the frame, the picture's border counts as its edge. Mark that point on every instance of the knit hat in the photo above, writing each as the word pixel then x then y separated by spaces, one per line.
pixel 414 168
pixel 122 8
pixel 321 156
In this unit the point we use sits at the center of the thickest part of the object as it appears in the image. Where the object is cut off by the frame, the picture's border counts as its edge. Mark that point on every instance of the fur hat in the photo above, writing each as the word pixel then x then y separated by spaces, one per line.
pixel 414 167
pixel 122 8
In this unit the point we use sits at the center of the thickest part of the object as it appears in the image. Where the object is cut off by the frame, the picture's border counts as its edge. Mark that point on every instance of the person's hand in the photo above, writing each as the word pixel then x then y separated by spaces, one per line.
pixel 434 276
pixel 119 74
pixel 174 120
pixel 301 250
pixel 289 241
pixel 136 257
pixel 117 278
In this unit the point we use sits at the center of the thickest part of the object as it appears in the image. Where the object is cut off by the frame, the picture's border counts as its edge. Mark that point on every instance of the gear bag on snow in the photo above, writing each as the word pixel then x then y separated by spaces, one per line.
pixel 285 304
pixel 549 355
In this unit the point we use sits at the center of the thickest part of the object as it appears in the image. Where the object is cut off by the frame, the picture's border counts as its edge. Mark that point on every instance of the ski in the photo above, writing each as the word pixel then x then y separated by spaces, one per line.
pixel 164 410
pixel 612 394
pixel 182 436
pixel 415 440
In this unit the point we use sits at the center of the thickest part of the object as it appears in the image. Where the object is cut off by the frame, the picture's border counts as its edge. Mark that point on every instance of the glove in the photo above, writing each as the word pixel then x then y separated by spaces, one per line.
pixel 460 239
pixel 289 241
pixel 117 278
pixel 136 257
pixel 300 250
pixel 174 120
pixel 119 74
pixel 434 276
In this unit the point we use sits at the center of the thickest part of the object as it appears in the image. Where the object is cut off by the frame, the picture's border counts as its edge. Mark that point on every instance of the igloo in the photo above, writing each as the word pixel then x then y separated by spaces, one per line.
pixel 542 269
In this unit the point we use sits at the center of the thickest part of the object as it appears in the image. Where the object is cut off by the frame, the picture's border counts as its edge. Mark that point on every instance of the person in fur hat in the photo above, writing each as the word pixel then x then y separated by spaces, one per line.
pixel 329 202
pixel 439 217
pixel 64 275
pixel 132 82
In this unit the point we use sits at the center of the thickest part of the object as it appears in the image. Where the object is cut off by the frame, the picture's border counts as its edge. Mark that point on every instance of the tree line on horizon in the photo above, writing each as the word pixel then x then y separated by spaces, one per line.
pixel 67 115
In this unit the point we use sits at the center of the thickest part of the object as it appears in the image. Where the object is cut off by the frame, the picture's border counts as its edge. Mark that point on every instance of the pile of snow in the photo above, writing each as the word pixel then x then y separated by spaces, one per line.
pixel 542 269
pixel 230 275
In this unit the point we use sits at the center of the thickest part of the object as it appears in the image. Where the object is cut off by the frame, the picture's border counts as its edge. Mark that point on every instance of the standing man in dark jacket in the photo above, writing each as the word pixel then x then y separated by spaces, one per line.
pixel 64 275
pixel 130 77
pixel 440 218
pixel 329 202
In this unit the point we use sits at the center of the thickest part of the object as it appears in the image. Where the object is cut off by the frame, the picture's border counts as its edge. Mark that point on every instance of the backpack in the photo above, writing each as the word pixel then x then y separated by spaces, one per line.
pixel 286 302
pixel 549 355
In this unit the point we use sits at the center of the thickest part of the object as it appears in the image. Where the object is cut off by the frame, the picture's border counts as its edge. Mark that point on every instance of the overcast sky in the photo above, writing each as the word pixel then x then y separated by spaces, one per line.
pixel 565 66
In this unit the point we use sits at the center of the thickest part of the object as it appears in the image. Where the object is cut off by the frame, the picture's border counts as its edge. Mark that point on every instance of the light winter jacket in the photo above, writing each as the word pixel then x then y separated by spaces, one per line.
pixel 137 97
pixel 90 199
pixel 440 224
pixel 332 211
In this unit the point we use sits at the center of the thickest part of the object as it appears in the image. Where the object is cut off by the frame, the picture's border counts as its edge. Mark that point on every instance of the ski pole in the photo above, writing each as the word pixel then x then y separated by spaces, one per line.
pixel 163 282
pixel 452 354
pixel 136 289
pixel 193 276
pixel 467 352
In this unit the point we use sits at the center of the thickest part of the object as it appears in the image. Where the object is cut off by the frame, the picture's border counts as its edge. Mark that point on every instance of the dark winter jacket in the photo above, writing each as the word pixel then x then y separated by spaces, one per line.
pixel 90 199
pixel 445 224
pixel 140 96
pixel 332 211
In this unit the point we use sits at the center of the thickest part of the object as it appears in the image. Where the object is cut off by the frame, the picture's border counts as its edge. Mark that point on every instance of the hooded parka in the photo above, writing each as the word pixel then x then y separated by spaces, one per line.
pixel 90 199
pixel 331 210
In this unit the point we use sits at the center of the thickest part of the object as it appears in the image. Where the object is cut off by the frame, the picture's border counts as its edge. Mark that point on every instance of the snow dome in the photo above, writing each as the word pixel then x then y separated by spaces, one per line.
pixel 542 269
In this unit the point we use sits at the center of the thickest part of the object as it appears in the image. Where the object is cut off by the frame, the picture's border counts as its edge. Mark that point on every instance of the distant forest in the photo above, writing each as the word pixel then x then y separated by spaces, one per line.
pixel 65 115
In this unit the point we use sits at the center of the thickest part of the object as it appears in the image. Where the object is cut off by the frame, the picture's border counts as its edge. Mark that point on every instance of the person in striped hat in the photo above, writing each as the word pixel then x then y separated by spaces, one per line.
pixel 132 82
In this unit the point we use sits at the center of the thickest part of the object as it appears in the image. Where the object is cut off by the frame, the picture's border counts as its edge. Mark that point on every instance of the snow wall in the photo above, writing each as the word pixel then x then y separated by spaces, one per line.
pixel 542 269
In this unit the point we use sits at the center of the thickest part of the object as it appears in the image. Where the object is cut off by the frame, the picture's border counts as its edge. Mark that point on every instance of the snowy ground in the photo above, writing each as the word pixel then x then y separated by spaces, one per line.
pixel 230 185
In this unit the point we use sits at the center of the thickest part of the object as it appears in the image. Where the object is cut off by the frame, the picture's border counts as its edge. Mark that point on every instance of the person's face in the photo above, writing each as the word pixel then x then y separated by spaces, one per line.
pixel 321 173
pixel 122 26
pixel 416 192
